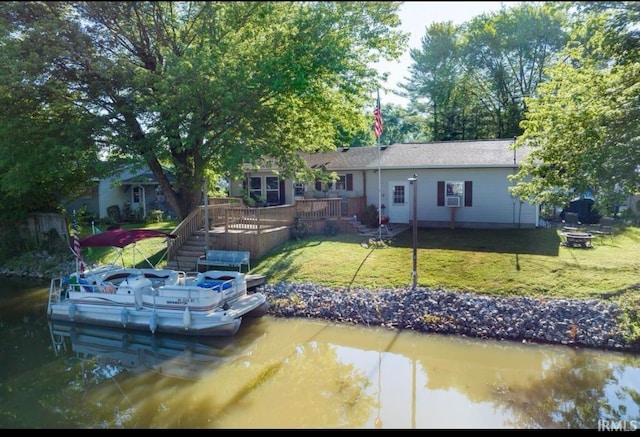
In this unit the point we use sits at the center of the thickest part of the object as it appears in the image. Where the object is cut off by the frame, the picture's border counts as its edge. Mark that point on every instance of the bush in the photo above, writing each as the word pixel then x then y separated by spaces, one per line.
pixel 300 229
pixel 330 228
pixel 13 243
pixel 369 216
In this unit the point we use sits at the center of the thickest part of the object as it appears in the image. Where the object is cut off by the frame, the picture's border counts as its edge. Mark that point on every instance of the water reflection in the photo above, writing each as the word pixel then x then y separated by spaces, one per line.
pixel 138 351
pixel 292 373
pixel 295 373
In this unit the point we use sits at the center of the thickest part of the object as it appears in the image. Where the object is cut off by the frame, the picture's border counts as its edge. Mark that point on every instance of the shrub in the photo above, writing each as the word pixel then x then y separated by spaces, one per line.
pixel 330 228
pixel 300 229
pixel 369 216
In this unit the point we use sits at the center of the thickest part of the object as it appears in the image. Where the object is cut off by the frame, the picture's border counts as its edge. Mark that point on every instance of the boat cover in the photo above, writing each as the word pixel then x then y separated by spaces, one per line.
pixel 122 237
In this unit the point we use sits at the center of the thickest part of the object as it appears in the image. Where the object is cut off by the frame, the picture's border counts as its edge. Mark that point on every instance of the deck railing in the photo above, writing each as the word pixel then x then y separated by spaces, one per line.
pixel 195 222
pixel 258 219
pixel 184 230
pixel 236 218
pixel 316 209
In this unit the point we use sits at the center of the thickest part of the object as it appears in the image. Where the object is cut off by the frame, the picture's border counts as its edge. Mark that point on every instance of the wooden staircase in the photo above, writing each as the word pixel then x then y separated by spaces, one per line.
pixel 189 252
pixel 359 228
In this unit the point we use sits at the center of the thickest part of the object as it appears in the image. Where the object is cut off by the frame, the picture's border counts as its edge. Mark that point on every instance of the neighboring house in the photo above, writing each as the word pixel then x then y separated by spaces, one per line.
pixel 130 195
pixel 459 183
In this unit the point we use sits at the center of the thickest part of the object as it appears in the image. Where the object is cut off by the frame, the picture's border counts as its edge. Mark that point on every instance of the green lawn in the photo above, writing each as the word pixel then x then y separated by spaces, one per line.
pixel 524 262
pixel 513 262
pixel 527 262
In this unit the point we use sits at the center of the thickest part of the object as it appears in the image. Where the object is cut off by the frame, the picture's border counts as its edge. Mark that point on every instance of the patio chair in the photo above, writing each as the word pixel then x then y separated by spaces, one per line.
pixel 113 212
pixel 605 227
pixel 571 222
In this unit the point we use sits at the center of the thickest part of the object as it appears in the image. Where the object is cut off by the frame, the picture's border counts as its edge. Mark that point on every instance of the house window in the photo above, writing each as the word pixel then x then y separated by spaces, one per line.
pixel 398 195
pixel 298 189
pixel 137 194
pixel 86 194
pixel 255 187
pixel 273 191
pixel 454 188
pixel 455 193
pixel 159 194
pixel 341 182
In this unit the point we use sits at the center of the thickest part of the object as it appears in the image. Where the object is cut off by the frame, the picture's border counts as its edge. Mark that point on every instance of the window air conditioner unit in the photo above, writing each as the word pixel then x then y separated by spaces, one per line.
pixel 453 201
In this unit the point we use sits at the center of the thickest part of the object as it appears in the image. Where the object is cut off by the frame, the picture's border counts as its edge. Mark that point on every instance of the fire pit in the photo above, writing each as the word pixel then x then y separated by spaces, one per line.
pixel 577 239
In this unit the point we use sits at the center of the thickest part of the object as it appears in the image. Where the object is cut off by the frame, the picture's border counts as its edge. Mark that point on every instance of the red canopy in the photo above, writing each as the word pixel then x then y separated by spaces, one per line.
pixel 122 237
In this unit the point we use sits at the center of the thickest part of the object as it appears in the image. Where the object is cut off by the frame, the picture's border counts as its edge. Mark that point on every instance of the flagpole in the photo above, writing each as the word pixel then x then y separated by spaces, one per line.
pixel 379 194
pixel 378 131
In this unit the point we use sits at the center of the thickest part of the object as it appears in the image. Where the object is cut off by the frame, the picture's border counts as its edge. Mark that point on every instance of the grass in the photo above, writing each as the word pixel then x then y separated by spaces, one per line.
pixel 513 262
pixel 523 262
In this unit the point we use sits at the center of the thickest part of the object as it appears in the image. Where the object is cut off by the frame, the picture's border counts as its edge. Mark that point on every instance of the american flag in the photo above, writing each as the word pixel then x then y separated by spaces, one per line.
pixel 76 244
pixel 377 125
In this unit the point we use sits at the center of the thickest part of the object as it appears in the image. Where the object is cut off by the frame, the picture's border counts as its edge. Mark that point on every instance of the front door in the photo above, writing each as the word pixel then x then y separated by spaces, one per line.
pixel 397 208
pixel 138 201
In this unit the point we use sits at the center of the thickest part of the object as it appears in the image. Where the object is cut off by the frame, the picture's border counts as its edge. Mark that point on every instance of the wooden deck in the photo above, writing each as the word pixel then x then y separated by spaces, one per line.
pixel 256 230
pixel 255 281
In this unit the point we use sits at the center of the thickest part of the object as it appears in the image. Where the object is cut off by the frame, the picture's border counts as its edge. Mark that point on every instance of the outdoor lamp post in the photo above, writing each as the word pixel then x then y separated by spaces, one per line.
pixel 414 181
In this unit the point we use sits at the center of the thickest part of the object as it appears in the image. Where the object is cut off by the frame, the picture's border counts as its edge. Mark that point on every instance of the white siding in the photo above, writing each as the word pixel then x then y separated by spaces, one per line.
pixel 492 204
pixel 114 195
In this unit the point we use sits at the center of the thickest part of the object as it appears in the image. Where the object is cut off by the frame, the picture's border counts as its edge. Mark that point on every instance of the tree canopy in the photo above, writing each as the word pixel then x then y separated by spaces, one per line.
pixel 474 76
pixel 583 127
pixel 196 86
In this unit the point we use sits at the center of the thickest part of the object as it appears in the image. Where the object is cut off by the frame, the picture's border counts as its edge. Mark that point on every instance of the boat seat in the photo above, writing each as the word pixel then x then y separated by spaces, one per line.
pixel 86 285
pixel 225 258
pixel 216 283
pixel 163 277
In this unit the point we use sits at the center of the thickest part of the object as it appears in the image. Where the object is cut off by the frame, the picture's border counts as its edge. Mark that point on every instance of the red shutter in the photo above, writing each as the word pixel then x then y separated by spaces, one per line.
pixel 349 181
pixel 468 193
pixel 440 193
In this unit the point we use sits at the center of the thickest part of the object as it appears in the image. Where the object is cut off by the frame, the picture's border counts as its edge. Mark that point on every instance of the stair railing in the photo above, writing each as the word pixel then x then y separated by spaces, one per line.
pixel 184 230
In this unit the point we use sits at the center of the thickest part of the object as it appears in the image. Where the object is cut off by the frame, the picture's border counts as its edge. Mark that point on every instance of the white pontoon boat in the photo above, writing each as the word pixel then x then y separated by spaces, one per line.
pixel 159 300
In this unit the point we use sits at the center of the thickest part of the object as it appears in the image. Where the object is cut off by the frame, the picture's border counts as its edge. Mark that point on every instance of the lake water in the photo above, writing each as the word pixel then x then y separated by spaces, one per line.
pixel 297 373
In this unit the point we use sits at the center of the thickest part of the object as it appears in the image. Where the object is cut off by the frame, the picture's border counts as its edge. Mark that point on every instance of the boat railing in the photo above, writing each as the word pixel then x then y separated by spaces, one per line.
pixel 55 292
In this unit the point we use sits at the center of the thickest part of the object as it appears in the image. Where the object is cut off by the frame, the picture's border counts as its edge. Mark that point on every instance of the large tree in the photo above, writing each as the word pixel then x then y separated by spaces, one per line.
pixel 583 127
pixel 475 76
pixel 505 55
pixel 195 85
pixel 434 76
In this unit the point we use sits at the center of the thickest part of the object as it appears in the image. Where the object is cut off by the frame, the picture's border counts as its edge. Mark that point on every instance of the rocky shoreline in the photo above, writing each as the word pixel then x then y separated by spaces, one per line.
pixel 584 323
pixel 581 323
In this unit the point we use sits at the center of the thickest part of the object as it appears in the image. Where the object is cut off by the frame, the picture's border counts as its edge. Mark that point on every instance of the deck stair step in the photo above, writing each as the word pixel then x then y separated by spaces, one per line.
pixel 189 252
pixel 350 225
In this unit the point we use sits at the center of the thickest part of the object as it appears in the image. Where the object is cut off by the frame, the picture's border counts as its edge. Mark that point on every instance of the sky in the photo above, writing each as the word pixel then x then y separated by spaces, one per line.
pixel 416 17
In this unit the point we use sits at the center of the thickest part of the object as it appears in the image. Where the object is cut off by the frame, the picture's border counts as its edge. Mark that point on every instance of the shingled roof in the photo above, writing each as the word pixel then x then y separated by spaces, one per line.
pixel 351 158
pixel 443 154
